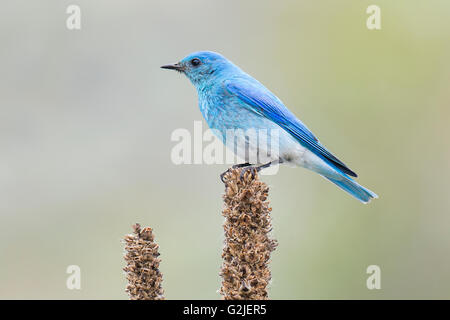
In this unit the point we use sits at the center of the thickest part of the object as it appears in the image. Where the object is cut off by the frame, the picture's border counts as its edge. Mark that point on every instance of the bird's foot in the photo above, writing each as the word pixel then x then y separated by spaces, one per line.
pixel 236 166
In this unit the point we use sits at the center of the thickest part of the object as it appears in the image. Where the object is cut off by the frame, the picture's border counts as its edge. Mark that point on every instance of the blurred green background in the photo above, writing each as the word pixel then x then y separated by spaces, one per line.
pixel 85 124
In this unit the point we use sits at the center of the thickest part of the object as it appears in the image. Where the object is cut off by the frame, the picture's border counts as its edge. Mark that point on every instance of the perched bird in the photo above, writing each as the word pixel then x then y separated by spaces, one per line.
pixel 230 99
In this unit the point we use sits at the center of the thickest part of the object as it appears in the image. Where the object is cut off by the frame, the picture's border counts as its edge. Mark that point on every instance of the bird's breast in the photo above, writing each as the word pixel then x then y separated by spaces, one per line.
pixel 224 112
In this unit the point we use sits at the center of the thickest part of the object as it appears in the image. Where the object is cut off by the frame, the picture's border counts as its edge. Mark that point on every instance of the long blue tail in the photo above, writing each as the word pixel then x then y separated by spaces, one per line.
pixel 359 192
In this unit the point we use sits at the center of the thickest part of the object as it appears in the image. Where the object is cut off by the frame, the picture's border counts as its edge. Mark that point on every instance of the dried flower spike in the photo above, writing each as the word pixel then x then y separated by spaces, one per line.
pixel 245 269
pixel 142 270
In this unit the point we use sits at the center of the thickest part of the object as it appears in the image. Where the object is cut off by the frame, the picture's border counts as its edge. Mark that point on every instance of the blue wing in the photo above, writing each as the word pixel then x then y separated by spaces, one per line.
pixel 263 102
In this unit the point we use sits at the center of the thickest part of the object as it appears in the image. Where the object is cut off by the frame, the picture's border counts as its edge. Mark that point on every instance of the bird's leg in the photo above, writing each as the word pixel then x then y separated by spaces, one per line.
pixel 241 165
pixel 260 167
pixel 236 166
pixel 263 166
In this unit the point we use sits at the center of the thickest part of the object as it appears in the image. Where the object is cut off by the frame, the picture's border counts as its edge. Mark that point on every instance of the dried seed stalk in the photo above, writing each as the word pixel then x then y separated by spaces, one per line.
pixel 245 271
pixel 142 270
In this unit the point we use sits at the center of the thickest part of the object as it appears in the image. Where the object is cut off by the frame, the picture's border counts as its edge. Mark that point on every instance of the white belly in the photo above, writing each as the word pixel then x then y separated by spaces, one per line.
pixel 267 142
pixel 292 153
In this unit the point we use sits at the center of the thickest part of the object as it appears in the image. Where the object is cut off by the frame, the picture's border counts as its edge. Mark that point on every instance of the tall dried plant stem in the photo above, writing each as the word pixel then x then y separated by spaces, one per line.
pixel 245 269
pixel 142 270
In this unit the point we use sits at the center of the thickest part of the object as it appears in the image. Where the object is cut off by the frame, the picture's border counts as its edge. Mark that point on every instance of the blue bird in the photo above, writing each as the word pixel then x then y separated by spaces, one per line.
pixel 230 99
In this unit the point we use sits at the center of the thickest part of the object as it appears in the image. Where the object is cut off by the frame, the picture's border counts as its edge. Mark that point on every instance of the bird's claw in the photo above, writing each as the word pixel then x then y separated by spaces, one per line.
pixel 253 171
pixel 236 166
pixel 222 175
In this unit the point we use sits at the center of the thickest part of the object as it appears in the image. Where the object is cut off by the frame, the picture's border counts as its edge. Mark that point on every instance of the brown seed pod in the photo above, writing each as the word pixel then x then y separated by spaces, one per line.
pixel 246 254
pixel 142 270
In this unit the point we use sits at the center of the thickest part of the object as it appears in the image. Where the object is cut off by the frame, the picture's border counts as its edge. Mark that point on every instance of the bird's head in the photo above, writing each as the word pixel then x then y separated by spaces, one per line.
pixel 203 67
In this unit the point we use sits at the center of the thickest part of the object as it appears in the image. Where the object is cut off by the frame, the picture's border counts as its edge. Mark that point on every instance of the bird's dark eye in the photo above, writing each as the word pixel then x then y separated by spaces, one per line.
pixel 195 62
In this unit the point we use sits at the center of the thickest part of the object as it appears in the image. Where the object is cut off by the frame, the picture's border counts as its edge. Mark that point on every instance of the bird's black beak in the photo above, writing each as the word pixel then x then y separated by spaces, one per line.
pixel 175 66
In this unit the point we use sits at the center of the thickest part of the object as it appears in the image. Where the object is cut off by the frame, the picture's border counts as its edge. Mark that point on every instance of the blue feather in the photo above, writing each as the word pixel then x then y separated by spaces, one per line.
pixel 263 102
pixel 359 192
pixel 231 99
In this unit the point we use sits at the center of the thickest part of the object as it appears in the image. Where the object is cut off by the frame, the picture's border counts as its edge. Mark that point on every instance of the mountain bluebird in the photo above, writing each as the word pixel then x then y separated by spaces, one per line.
pixel 230 99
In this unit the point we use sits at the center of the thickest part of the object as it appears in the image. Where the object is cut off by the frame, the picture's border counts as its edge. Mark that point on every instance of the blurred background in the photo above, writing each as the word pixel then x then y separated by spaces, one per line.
pixel 86 118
